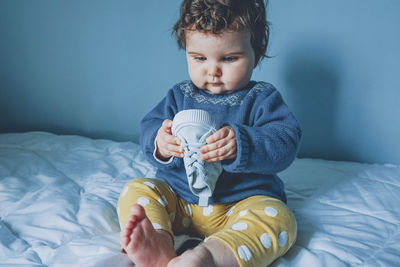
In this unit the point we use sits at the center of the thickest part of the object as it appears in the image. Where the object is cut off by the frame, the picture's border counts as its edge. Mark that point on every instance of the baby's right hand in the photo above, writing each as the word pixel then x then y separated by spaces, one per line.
pixel 167 145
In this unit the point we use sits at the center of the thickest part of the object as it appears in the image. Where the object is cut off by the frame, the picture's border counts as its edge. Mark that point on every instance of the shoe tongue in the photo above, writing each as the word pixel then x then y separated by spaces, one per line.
pixel 199 185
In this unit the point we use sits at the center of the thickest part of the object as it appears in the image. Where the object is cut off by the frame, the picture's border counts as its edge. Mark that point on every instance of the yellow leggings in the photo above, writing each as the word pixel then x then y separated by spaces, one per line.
pixel 258 229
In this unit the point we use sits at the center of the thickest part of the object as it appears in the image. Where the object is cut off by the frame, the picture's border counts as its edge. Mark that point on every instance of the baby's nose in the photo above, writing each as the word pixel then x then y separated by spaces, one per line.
pixel 214 71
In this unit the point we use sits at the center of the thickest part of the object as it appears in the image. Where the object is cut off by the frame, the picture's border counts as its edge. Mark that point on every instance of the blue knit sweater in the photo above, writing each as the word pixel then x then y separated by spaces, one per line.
pixel 267 136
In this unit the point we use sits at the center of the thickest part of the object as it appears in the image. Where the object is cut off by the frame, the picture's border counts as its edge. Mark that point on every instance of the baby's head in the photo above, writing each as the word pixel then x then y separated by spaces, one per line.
pixel 224 40
pixel 217 16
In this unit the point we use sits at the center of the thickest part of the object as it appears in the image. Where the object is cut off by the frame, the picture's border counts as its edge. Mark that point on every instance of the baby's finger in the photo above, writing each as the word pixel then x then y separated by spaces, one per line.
pixel 167 125
pixel 213 146
pixel 224 132
pixel 215 156
pixel 226 151
pixel 215 137
pixel 219 143
pixel 168 146
pixel 170 139
pixel 176 151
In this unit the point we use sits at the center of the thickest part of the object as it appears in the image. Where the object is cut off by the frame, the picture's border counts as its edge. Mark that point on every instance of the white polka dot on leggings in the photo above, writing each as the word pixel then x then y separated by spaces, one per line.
pixel 188 210
pixel 163 201
pixel 143 201
pixel 156 226
pixel 243 213
pixel 266 240
pixel 149 184
pixel 230 211
pixel 244 253
pixel 207 210
pixel 282 239
pixel 270 211
pixel 124 191
pixel 240 226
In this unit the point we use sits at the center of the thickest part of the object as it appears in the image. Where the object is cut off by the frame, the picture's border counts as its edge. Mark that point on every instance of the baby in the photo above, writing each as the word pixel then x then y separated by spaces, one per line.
pixel 245 221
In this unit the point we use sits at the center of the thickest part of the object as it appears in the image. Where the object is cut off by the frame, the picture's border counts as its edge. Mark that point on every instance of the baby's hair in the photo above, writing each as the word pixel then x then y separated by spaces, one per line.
pixel 215 16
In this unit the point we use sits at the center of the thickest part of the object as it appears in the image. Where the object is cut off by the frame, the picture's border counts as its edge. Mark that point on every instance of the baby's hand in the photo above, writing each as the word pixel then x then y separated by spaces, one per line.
pixel 167 145
pixel 220 145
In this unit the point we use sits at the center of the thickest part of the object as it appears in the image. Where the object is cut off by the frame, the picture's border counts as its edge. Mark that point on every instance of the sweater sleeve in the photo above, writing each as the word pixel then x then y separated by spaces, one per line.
pixel 150 125
pixel 269 143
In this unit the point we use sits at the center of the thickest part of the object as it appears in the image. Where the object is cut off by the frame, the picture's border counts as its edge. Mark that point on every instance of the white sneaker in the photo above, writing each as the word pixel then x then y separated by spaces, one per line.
pixel 193 126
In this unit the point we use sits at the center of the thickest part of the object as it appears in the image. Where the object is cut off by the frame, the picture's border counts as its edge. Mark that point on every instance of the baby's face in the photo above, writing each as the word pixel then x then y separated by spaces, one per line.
pixel 221 63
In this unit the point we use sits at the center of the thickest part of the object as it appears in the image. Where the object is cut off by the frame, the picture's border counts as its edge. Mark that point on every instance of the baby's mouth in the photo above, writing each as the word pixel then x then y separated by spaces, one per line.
pixel 216 83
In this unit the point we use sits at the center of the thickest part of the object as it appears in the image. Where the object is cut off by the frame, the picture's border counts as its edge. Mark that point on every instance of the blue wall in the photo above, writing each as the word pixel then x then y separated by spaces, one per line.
pixel 95 67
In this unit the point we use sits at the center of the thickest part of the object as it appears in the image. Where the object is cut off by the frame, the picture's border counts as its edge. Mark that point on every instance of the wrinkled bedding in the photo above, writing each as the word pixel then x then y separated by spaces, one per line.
pixel 58 196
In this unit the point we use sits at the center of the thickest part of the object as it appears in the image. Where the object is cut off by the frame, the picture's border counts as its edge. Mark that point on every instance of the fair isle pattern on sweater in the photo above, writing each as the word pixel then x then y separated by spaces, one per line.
pixel 231 100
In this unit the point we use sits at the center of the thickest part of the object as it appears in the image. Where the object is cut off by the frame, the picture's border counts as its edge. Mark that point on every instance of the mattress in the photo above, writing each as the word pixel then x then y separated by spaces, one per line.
pixel 58 196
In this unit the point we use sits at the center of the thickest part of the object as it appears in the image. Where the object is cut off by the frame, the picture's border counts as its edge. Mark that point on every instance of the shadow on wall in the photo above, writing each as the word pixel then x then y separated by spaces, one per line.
pixel 312 78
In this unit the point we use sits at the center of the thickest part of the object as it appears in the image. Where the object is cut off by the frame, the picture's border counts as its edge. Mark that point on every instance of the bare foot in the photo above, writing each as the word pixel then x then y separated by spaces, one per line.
pixel 144 245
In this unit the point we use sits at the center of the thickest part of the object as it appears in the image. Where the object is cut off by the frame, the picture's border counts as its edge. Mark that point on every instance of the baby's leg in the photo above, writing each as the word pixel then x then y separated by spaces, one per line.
pixel 144 245
pixel 259 230
pixel 146 210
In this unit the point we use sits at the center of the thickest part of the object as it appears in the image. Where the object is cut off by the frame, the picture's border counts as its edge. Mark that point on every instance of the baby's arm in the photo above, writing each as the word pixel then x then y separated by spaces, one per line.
pixel 167 145
pixel 220 145
pixel 268 143
pixel 154 136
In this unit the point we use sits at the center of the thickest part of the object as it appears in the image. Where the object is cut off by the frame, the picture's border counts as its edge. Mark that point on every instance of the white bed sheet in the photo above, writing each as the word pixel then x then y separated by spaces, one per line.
pixel 58 197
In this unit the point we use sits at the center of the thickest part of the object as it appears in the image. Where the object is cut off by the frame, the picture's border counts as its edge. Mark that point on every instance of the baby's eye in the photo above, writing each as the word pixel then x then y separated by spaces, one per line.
pixel 229 59
pixel 200 58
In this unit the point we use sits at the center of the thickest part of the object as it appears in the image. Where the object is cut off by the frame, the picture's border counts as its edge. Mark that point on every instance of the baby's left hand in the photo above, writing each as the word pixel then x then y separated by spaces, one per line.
pixel 220 145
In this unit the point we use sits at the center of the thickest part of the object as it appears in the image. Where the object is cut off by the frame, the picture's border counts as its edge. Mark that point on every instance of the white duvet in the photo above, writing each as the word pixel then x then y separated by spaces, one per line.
pixel 58 197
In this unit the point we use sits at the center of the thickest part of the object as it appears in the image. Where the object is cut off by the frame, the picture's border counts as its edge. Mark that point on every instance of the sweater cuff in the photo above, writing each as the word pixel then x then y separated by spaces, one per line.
pixel 242 154
pixel 159 160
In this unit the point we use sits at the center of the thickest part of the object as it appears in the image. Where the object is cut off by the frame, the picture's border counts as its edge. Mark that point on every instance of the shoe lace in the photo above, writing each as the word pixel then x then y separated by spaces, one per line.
pixel 192 154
